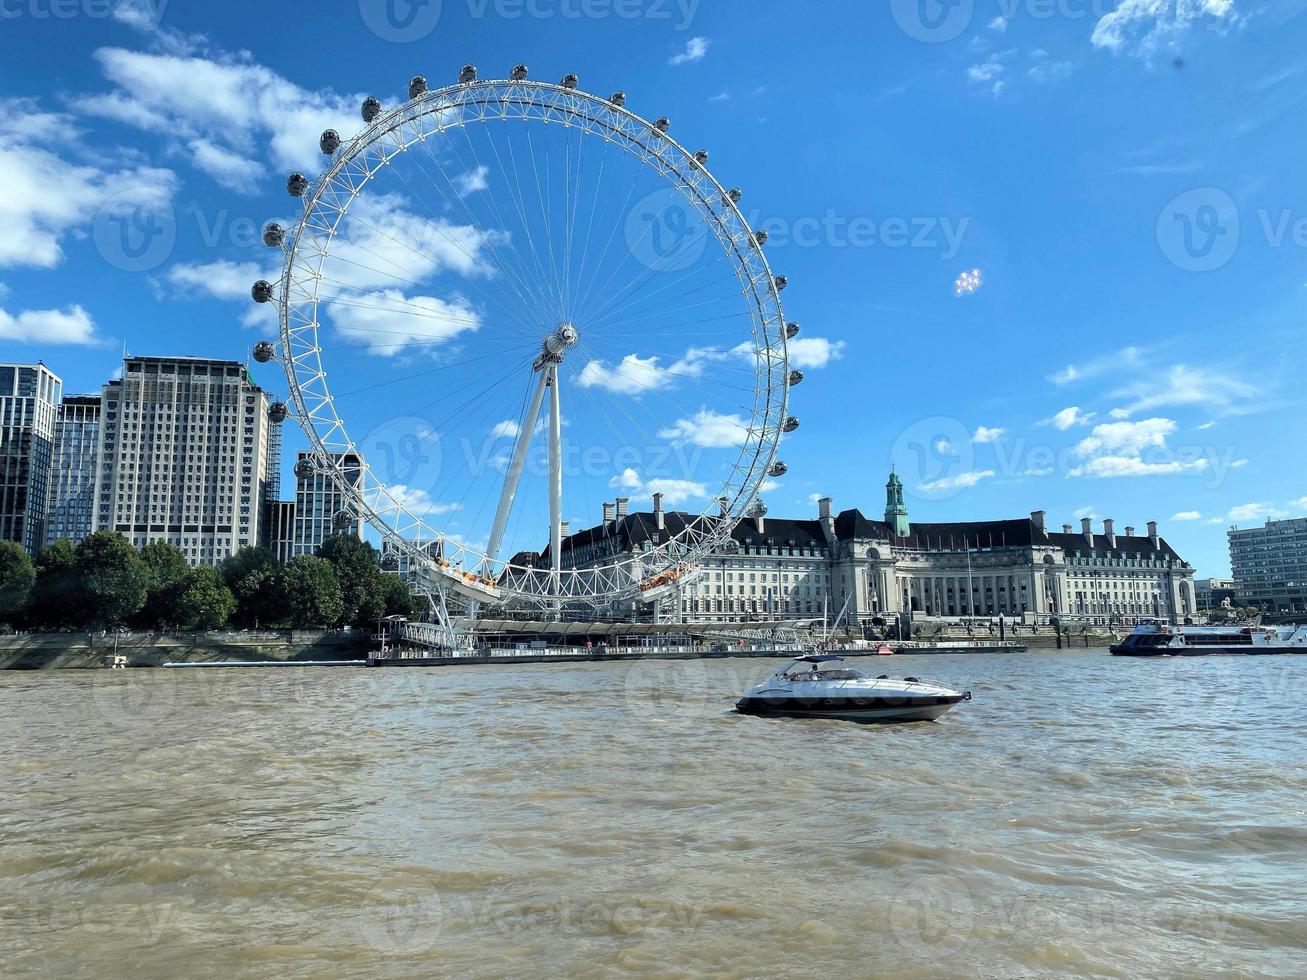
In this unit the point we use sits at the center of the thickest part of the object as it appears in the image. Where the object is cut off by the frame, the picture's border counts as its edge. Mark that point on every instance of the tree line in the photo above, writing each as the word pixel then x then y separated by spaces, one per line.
pixel 104 582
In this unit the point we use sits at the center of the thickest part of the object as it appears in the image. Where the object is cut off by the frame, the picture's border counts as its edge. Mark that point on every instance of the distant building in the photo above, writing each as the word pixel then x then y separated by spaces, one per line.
pixel 779 568
pixel 1213 594
pixel 279 537
pixel 29 400
pixel 183 456
pixel 322 505
pixel 1270 566
pixel 76 460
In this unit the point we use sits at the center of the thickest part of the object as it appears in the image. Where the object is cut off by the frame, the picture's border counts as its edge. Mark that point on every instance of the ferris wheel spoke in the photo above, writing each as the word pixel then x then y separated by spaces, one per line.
pixel 549 234
pixel 587 289
pixel 624 299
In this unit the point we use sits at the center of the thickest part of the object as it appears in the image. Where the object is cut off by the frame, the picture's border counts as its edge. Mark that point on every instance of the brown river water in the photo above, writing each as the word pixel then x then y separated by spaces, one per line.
pixel 1082 816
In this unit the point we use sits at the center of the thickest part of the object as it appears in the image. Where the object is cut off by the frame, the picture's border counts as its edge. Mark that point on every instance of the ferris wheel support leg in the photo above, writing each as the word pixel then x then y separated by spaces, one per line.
pixel 514 476
pixel 555 481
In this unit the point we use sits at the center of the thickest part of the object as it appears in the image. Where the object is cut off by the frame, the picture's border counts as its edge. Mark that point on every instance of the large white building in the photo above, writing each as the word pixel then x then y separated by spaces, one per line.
pixel 29 400
pixel 72 475
pixel 183 456
pixel 779 568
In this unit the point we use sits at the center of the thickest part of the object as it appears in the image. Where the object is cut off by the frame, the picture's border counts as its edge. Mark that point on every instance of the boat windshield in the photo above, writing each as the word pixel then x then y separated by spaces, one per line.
pixel 803 671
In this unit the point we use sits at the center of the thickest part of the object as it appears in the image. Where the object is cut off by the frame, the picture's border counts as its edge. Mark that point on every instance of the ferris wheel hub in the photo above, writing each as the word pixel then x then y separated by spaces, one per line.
pixel 555 344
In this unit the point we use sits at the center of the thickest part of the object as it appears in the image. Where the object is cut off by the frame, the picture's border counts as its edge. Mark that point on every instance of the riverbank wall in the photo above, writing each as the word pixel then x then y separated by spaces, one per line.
pixel 81 651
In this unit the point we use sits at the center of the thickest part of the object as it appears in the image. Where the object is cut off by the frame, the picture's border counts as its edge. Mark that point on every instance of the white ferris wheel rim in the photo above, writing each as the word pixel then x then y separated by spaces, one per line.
pixel 307 247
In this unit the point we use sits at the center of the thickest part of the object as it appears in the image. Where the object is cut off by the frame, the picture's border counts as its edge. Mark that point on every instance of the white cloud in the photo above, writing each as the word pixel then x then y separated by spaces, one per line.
pixel 708 429
pixel 1117 449
pixel 1130 438
pixel 1110 467
pixel 222 279
pixel 695 49
pixel 1126 358
pixel 1142 27
pixel 1080 513
pixel 1187 515
pixel 472 181
pixel 1249 513
pixel 71 326
pixel 984 435
pixel 968 478
pixel 675 492
pixel 634 375
pixel 389 321
pixel 230 170
pixel 507 429
pixel 1050 71
pixel 228 102
pixel 814 352
pixel 414 501
pixel 1069 418
pixel 1183 384
pixel 998 24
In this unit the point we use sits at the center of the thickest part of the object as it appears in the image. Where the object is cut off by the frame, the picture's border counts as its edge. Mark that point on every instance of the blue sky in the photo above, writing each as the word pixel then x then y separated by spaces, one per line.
pixel 1124 177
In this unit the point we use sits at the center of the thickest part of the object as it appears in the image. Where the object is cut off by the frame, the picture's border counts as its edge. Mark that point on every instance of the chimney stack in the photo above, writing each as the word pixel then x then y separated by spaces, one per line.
pixel 565 527
pixel 1037 518
pixel 622 507
pixel 1109 530
pixel 1087 529
pixel 1066 528
pixel 1129 532
pixel 827 519
pixel 1152 534
pixel 824 508
pixel 660 518
pixel 609 513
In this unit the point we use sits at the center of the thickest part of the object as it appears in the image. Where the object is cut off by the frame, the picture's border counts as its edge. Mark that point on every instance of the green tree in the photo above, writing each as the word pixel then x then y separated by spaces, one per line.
pixel 362 591
pixel 254 577
pixel 311 593
pixel 113 578
pixel 17 576
pixel 203 600
pixel 57 597
pixel 166 568
pixel 400 600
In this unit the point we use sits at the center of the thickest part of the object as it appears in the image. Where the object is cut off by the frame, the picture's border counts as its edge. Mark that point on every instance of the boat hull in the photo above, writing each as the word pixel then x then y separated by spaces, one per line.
pixel 1241 651
pixel 872 710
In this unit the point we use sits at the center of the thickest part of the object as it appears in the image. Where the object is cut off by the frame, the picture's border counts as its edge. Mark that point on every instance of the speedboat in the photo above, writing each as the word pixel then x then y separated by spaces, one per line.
pixel 818 686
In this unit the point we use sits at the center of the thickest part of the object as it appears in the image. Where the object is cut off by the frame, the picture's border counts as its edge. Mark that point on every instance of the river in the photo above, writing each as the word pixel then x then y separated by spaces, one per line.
pixel 1082 816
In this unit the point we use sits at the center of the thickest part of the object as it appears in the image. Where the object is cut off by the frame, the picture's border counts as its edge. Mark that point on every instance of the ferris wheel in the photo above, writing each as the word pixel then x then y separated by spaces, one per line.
pixel 555 300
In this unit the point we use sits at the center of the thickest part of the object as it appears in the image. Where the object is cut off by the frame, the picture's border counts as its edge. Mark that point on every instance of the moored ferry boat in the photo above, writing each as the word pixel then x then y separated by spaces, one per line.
pixel 1161 640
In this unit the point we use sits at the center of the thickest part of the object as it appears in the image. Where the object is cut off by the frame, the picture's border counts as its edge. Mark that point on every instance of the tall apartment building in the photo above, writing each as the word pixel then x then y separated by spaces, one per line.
pixel 72 476
pixel 279 536
pixel 29 399
pixel 322 506
pixel 1270 566
pixel 183 456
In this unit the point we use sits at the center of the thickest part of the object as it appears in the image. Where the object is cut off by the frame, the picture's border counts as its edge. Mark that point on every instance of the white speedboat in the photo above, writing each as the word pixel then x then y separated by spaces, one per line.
pixel 820 686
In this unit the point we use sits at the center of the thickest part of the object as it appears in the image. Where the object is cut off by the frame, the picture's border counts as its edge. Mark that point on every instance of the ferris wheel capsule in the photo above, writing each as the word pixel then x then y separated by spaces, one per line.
pixel 297 184
pixel 778 469
pixel 760 238
pixel 304 468
pixel 618 99
pixel 277 413
pixel 790 425
pixel 274 235
pixel 264 352
pixel 733 196
pixel 796 377
pixel 343 519
pixel 791 331
pixel 663 125
pixel 518 74
pixel 570 82
pixel 701 158
pixel 261 291
pixel 416 86
pixel 780 282
pixel 371 109
pixel 330 142
pixel 467 75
